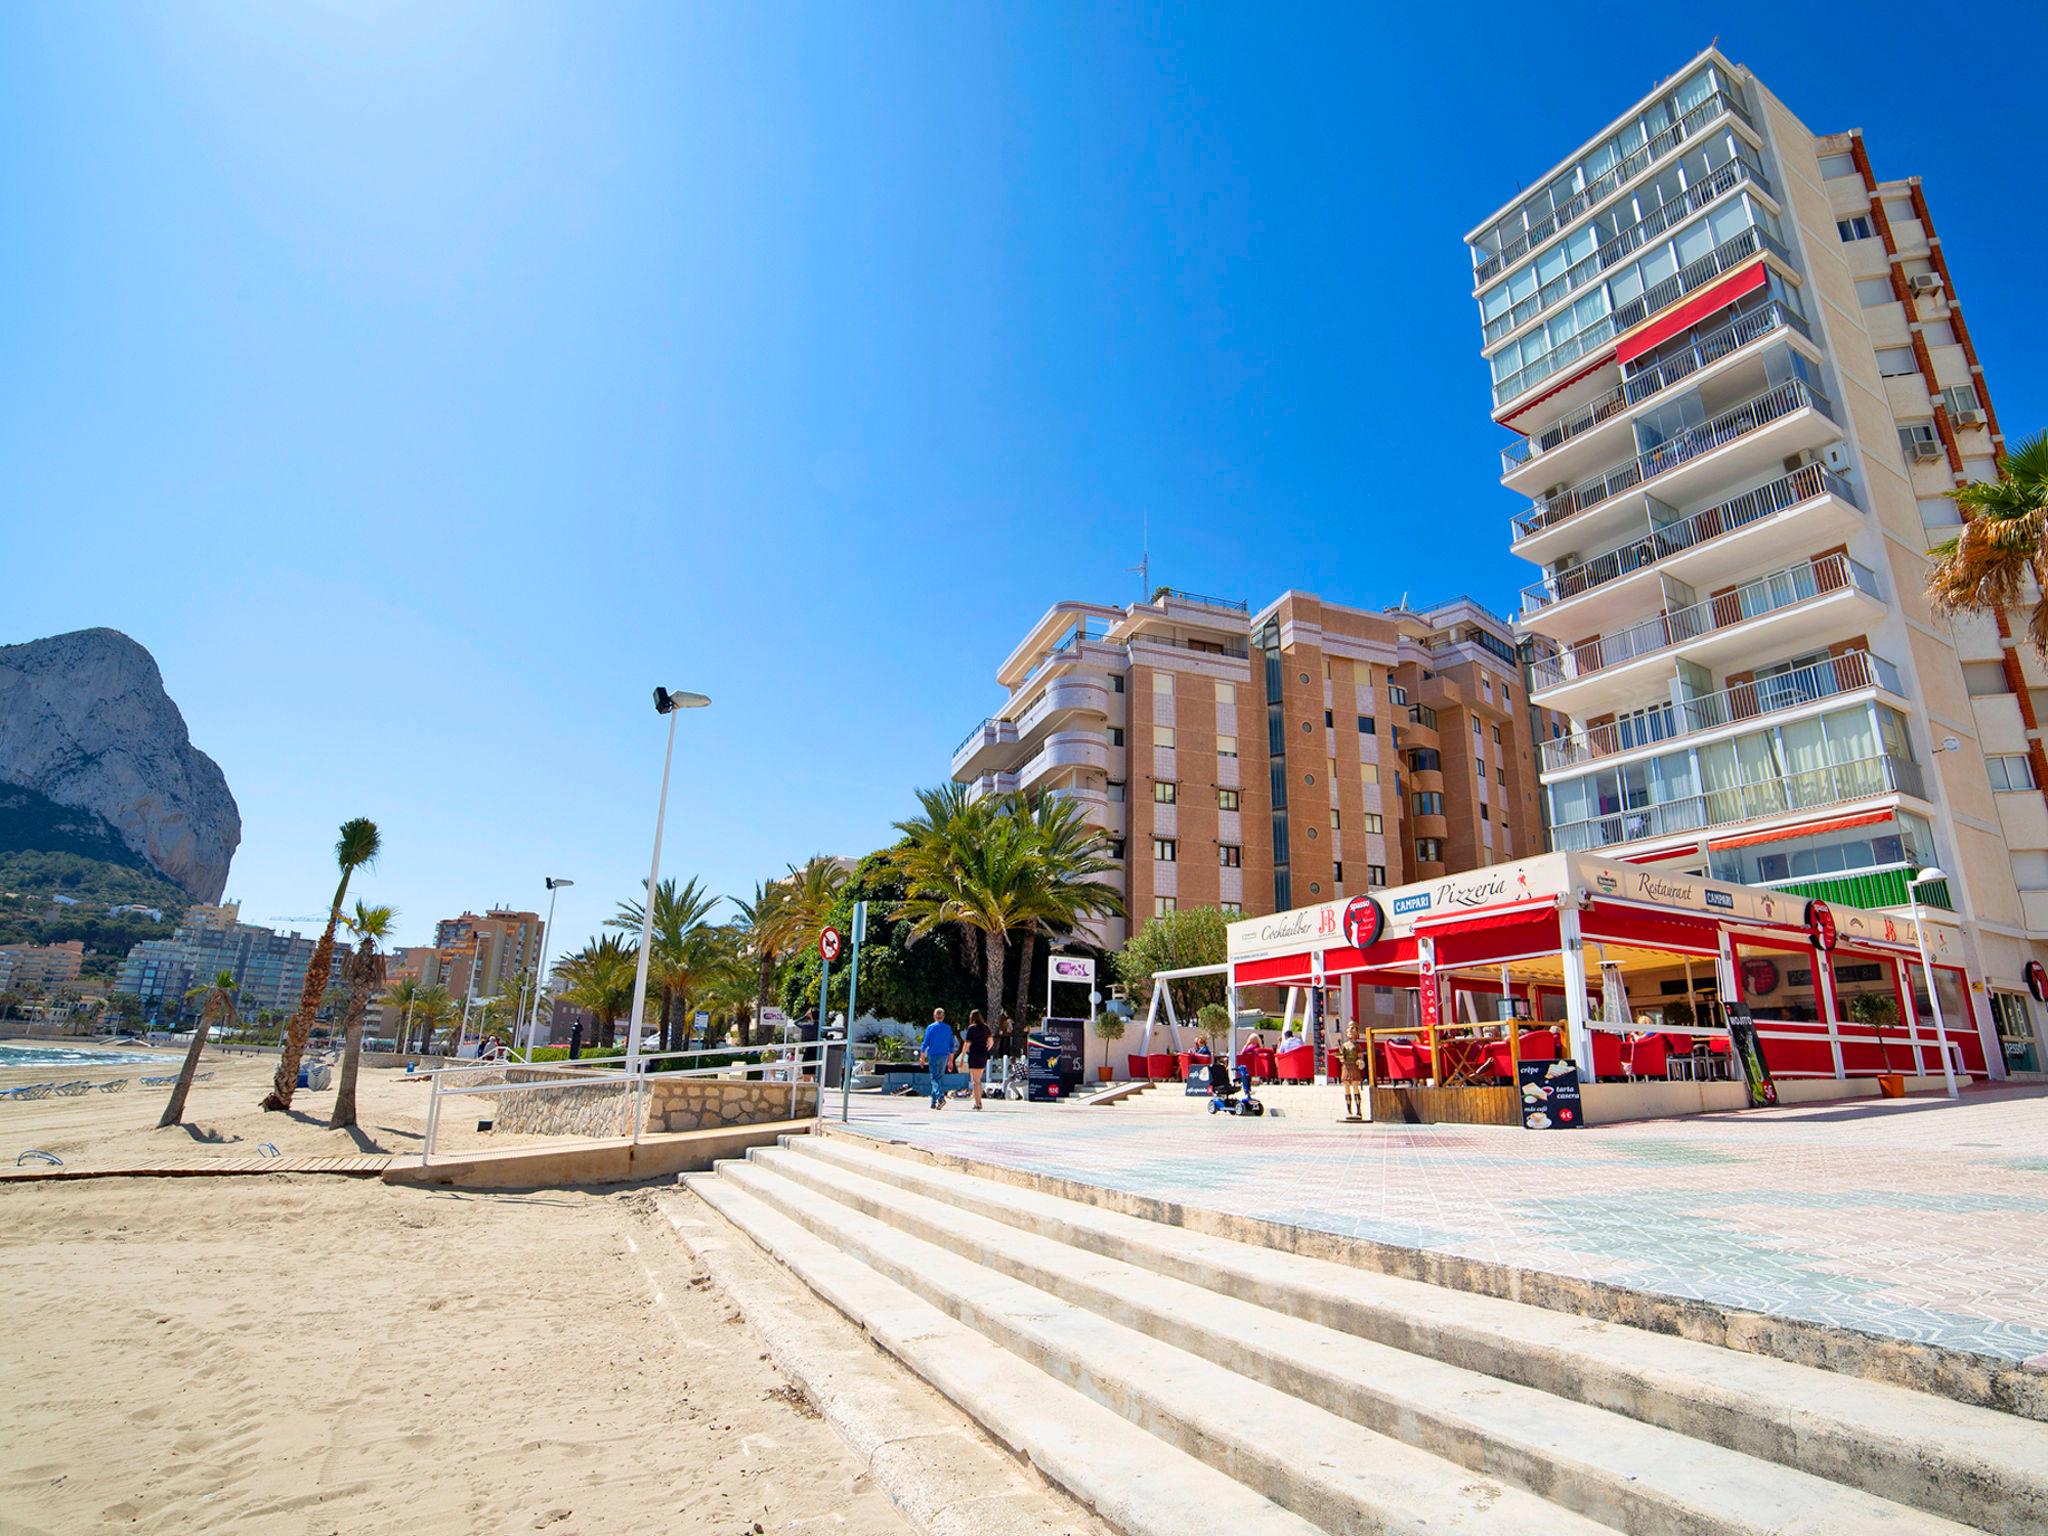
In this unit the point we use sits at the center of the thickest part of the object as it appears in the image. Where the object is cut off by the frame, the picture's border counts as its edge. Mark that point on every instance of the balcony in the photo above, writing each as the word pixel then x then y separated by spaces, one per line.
pixel 1870 889
pixel 1604 186
pixel 1810 582
pixel 1665 541
pixel 1676 366
pixel 1752 415
pixel 1064 751
pixel 1725 257
pixel 1716 184
pixel 1832 784
pixel 989 742
pixel 984 785
pixel 1659 728
pixel 1200 600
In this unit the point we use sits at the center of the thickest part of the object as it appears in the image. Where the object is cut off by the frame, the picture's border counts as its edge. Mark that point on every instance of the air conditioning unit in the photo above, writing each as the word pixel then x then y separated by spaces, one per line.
pixel 1925 282
pixel 1926 452
pixel 1970 418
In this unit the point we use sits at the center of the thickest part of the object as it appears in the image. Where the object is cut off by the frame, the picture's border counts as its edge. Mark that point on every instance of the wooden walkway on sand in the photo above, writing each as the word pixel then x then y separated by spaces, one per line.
pixel 367 1165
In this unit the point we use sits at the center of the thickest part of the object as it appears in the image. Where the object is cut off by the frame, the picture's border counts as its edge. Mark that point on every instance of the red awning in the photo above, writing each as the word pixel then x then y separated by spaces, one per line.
pixel 1618 924
pixel 1690 313
pixel 1803 829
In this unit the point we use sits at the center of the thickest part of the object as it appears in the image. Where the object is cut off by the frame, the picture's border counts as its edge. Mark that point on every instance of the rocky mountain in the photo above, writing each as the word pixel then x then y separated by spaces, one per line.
pixel 85 723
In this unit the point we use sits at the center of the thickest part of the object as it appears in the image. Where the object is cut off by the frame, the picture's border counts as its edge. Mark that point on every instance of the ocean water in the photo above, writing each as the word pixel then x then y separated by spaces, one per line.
pixel 61 1056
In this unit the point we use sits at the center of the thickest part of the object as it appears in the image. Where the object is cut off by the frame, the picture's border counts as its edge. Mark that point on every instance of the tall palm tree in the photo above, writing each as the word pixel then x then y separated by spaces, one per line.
pixel 216 1001
pixel 600 978
pixel 1069 854
pixel 677 947
pixel 365 976
pixel 2004 541
pixel 358 845
pixel 432 1008
pixel 765 930
pixel 968 864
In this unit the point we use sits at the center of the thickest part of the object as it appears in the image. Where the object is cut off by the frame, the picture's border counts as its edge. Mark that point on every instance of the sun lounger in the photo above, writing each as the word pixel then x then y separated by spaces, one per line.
pixel 73 1089
pixel 29 1091
pixel 114 1085
pixel 159 1082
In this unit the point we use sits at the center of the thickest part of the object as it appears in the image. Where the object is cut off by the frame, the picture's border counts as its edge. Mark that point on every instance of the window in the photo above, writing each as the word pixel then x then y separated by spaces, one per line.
pixel 1162 735
pixel 1116 791
pixel 1483 813
pixel 1478 727
pixel 1226 746
pixel 1231 908
pixel 1429 802
pixel 1896 362
pixel 1984 678
pixel 1116 735
pixel 1374 823
pixel 1425 760
pixel 1230 855
pixel 1162 682
pixel 1397 693
pixel 2009 773
pixel 1429 850
pixel 1496 735
pixel 1913 433
pixel 1161 905
pixel 1375 874
pixel 1116 682
pixel 1226 800
pixel 1336 819
pixel 1337 871
pixel 1369 773
pixel 1899 211
pixel 1873 291
pixel 1367 726
pixel 1308 725
pixel 1959 397
pixel 1226 693
pixel 1938 333
pixel 1116 848
pixel 1832 166
pixel 1857 228
pixel 2030 869
pixel 1166 792
pixel 1166 850
pixel 1329 718
pixel 1482 767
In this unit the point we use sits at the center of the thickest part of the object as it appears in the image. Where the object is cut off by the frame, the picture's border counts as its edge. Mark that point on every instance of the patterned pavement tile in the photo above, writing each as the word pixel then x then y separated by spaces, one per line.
pixel 1915 1219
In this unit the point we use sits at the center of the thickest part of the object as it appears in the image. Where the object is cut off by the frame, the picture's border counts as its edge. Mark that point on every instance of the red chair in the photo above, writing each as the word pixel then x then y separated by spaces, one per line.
pixel 1138 1069
pixel 1607 1054
pixel 1295 1066
pixel 1647 1057
pixel 1539 1045
pixel 1186 1062
pixel 1159 1065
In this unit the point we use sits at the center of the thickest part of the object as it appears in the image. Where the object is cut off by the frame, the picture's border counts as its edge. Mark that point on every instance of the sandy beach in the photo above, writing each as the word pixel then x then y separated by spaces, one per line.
pixel 307 1354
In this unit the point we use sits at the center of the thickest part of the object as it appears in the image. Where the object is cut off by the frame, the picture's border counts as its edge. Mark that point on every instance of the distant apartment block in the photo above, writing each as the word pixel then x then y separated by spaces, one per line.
pixel 501 946
pixel 269 967
pixel 1740 383
pixel 1262 761
pixel 40 967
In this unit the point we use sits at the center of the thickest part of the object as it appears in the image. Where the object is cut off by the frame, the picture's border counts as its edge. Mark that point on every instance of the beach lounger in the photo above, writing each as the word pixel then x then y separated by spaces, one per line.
pixel 72 1090
pixel 115 1085
pixel 159 1082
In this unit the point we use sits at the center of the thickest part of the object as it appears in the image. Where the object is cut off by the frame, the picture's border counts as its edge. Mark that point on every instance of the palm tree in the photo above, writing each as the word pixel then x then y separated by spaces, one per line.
pixel 970 864
pixel 600 978
pixel 678 951
pixel 764 927
pixel 365 975
pixel 431 1008
pixel 216 1001
pixel 400 997
pixel 2004 542
pixel 358 845
pixel 1069 853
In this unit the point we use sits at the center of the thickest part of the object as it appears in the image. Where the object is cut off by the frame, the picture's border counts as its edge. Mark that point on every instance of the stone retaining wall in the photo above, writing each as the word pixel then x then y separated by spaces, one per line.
pixel 671 1104
pixel 704 1104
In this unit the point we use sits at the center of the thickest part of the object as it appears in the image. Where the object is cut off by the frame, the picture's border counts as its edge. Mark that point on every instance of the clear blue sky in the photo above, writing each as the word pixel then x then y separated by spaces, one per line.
pixel 421 384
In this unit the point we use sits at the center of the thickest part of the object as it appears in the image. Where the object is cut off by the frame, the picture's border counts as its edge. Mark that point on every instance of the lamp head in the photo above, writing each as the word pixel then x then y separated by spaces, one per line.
pixel 1927 876
pixel 667 701
pixel 556 884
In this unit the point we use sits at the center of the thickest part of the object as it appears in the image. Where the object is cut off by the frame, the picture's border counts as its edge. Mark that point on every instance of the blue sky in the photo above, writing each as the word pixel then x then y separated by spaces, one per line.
pixel 423 384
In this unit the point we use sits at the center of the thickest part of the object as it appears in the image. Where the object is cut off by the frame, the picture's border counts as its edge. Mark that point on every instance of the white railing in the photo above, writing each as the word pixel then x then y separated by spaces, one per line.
pixel 1830 784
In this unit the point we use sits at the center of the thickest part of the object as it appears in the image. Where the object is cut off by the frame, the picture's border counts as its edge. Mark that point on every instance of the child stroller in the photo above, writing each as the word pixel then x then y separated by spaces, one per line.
pixel 1224 1096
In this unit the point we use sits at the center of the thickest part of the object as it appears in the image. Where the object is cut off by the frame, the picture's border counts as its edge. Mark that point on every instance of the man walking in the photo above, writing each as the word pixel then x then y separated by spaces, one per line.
pixel 939 1046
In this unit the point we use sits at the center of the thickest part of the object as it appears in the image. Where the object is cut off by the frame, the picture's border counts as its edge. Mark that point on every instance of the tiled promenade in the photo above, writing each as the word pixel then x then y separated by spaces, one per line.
pixel 1917 1219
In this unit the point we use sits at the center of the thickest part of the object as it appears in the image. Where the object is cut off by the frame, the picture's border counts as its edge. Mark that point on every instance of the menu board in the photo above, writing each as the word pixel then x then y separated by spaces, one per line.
pixel 1044 1079
pixel 1749 1055
pixel 1550 1095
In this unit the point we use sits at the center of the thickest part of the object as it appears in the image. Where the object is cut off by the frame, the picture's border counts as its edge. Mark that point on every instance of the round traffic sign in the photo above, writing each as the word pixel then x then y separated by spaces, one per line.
pixel 828 944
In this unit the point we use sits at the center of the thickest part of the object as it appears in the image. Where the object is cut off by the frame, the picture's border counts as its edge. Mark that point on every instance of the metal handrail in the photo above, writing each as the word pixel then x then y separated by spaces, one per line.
pixel 1767 594
pixel 969 739
pixel 1638 387
pixel 1723 179
pixel 1234 605
pixel 1738 421
pixel 1830 784
pixel 1610 181
pixel 1668 723
pixel 1667 539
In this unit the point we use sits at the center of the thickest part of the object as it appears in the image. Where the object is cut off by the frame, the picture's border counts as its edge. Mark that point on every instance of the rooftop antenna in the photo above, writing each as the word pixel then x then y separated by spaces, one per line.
pixel 1143 569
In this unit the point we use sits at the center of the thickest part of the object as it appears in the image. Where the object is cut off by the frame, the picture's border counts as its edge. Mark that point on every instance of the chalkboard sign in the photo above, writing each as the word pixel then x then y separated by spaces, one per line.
pixel 1550 1095
pixel 1749 1055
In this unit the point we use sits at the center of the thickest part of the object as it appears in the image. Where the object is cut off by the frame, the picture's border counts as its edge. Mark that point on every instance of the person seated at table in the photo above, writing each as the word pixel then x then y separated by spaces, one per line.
pixel 1292 1041
pixel 1200 1052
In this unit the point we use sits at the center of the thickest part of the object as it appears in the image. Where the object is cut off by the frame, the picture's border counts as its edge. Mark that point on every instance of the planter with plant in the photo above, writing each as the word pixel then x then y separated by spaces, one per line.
pixel 1109 1028
pixel 1880 1011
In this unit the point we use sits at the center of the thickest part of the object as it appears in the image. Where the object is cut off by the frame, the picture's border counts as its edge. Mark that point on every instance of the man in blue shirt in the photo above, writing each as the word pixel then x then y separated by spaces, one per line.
pixel 939 1046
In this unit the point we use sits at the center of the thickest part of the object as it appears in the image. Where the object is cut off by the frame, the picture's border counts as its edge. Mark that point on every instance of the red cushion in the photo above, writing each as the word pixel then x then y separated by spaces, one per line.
pixel 1138 1068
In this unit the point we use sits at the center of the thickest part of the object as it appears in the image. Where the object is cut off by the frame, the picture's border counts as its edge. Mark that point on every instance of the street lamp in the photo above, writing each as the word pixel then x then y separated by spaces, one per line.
pixel 1927 877
pixel 665 703
pixel 540 975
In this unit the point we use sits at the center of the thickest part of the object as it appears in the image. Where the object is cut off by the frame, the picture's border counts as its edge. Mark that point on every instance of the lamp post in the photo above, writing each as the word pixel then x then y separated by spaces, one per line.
pixel 540 975
pixel 1948 1067
pixel 665 703
pixel 476 956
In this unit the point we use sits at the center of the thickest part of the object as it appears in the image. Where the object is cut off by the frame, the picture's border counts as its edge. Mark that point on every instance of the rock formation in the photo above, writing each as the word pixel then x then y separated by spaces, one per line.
pixel 85 721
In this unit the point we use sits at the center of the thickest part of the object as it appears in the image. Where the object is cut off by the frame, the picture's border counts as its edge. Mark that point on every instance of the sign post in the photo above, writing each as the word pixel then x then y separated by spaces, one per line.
pixel 828 951
pixel 860 931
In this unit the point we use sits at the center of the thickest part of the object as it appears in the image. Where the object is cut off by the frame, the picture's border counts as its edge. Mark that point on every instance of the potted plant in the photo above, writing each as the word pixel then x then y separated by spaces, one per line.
pixel 1109 1028
pixel 1212 1023
pixel 1880 1010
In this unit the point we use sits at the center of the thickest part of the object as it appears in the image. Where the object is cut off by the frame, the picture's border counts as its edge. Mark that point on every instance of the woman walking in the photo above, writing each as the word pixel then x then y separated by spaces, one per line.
pixel 979 1040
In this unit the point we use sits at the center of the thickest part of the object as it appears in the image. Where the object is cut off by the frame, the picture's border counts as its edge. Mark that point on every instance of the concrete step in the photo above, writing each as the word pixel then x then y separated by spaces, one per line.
pixel 1330 1472
pixel 1975 1465
pixel 1119 1470
pixel 1605 1466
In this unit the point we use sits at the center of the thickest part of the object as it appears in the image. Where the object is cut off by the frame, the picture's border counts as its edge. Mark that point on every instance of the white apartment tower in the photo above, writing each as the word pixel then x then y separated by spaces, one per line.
pixel 1740 383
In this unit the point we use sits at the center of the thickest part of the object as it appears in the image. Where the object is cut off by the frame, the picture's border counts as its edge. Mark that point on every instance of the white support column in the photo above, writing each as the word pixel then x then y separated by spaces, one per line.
pixel 1577 1007
pixel 1172 1019
pixel 1151 1015
pixel 1824 979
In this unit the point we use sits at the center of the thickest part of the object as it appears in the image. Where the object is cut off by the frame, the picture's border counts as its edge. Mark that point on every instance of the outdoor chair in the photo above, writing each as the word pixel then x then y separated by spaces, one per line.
pixel 1295 1066
pixel 117 1085
pixel 1140 1067
pixel 1607 1055
pixel 1648 1057
pixel 72 1090
pixel 1159 1066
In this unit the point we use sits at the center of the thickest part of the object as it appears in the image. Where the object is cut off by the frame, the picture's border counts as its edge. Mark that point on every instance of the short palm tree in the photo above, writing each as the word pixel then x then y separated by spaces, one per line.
pixel 365 978
pixel 216 1001
pixel 967 864
pixel 358 845
pixel 399 998
pixel 1069 855
pixel 432 1008
pixel 2004 541
pixel 600 979
pixel 765 933
pixel 679 951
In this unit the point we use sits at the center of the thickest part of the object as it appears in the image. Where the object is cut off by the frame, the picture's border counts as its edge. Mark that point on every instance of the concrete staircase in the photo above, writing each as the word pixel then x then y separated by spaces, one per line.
pixel 1178 1383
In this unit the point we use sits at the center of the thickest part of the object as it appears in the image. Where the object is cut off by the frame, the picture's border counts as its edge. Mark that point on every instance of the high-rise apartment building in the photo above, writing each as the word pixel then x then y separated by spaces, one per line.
pixel 1261 761
pixel 269 967
pixel 502 947
pixel 41 967
pixel 1740 383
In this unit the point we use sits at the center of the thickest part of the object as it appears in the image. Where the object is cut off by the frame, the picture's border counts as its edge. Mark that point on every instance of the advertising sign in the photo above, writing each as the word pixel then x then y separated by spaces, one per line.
pixel 1080 968
pixel 1820 922
pixel 1749 1055
pixel 1550 1095
pixel 1045 1067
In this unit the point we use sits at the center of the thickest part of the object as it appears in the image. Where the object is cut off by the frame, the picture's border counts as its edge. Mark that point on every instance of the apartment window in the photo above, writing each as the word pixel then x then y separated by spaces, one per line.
pixel 2010 772
pixel 1161 905
pixel 1896 362
pixel 1116 682
pixel 1832 166
pixel 1397 693
pixel 1367 726
pixel 1899 211
pixel 1873 291
pixel 1116 848
pixel 1162 682
pixel 1376 874
pixel 1231 908
pixel 1226 800
pixel 1162 735
pixel 1429 802
pixel 1230 855
pixel 1226 693
pixel 1429 850
pixel 1374 822
pixel 1984 678
pixel 1960 397
pixel 1483 814
pixel 2030 869
pixel 1496 735
pixel 1329 718
pixel 1369 773
pixel 1425 760
pixel 1226 746
pixel 1166 850
pixel 1166 792
pixel 1482 767
pixel 1857 228
pixel 1914 434
pixel 1337 871
pixel 1116 735
pixel 1478 727
pixel 1336 819
pixel 1116 791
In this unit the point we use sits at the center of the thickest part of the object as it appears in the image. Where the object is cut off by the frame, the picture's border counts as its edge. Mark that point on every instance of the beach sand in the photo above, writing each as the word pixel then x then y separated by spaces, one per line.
pixel 309 1355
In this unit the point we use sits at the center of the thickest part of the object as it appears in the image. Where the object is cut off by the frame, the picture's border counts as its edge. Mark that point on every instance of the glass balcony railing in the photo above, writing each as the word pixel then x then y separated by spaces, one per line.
pixel 974 736
pixel 1677 364
pixel 1830 784
pixel 1710 189
pixel 1760 411
pixel 1668 539
pixel 1753 600
pixel 1609 182
pixel 1838 675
